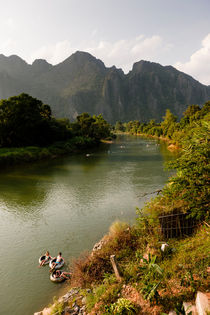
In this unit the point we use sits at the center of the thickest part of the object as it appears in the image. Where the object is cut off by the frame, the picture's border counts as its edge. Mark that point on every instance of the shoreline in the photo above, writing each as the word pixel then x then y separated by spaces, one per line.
pixel 171 146
pixel 24 155
pixel 66 298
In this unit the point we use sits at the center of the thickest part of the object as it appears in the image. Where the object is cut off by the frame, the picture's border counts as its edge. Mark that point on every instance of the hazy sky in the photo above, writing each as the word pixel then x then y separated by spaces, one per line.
pixel 120 32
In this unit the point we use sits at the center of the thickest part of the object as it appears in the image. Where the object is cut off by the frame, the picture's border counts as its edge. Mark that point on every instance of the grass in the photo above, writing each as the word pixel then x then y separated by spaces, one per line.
pixel 164 280
pixel 14 156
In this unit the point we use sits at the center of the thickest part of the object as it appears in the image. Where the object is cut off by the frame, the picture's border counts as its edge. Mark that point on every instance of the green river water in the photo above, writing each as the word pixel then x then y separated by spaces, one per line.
pixel 68 204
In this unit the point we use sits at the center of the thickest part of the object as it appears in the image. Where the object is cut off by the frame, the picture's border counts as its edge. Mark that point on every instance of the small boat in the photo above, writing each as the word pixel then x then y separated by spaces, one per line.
pixel 58 266
pixel 53 277
pixel 43 258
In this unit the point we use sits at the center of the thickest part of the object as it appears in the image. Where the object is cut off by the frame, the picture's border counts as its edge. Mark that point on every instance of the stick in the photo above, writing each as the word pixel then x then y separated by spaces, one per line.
pixel 116 270
pixel 154 192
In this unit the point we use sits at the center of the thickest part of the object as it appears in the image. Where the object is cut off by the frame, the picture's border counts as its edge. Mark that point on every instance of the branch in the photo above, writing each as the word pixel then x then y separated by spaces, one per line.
pixel 154 192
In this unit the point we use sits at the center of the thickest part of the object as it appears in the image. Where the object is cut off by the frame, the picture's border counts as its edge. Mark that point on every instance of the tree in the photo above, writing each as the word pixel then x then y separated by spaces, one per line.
pixel 93 127
pixel 169 123
pixel 24 121
pixel 119 126
pixel 191 185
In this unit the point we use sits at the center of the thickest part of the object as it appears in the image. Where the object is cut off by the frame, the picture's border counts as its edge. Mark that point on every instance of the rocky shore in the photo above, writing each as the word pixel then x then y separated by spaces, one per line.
pixel 73 302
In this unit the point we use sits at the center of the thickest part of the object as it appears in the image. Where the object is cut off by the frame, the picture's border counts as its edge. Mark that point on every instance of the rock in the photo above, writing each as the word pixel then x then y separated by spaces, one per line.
pixel 189 308
pixel 164 247
pixel 76 308
pixel 98 246
pixel 203 303
pixel 82 310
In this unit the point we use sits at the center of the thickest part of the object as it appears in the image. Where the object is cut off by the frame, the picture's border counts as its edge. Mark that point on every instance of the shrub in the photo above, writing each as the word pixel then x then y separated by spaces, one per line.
pixel 121 307
pixel 118 227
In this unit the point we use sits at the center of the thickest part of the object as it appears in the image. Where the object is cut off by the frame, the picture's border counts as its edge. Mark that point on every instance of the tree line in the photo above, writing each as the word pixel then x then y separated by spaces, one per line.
pixel 26 121
pixel 170 127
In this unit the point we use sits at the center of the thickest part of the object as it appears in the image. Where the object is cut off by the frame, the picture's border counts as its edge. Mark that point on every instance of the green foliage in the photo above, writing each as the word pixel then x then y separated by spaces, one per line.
pixel 188 191
pixel 93 127
pixel 121 307
pixel 188 280
pixel 150 291
pixel 179 309
pixel 151 275
pixel 191 185
pixel 119 126
pixel 58 308
pixel 24 121
pixel 107 292
pixel 14 156
pixel 149 267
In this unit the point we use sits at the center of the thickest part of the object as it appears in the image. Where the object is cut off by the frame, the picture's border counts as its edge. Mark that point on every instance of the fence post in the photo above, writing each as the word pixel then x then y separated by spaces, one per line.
pixel 115 267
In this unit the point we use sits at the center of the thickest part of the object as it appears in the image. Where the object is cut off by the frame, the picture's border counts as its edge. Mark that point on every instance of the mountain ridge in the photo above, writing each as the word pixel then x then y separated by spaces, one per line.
pixel 82 83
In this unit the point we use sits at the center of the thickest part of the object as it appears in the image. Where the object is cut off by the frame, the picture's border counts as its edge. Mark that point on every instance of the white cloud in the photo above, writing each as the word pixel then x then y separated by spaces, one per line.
pixel 9 23
pixel 122 53
pixel 53 53
pixel 7 47
pixel 199 64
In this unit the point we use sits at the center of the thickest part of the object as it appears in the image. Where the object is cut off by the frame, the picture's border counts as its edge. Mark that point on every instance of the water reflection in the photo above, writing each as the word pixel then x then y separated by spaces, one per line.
pixel 27 188
pixel 67 205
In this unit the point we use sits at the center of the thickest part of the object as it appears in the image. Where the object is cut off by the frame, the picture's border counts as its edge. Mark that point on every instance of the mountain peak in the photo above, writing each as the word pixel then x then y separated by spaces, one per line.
pixel 80 58
pixel 82 83
pixel 14 59
pixel 41 65
pixel 144 66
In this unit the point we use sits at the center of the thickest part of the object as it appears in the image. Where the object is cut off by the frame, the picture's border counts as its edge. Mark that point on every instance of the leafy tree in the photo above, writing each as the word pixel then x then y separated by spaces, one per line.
pixel 169 123
pixel 191 110
pixel 101 129
pixel 93 127
pixel 119 126
pixel 24 121
pixel 191 185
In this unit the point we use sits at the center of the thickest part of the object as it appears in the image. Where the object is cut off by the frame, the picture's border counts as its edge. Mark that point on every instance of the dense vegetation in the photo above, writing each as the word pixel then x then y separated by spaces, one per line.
pixel 154 282
pixel 28 131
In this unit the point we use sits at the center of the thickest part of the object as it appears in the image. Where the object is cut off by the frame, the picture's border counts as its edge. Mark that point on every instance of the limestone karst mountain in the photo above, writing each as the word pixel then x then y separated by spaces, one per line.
pixel 82 83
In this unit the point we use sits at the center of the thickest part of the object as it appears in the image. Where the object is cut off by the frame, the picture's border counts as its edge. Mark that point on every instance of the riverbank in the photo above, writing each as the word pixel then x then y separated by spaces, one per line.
pixel 163 260
pixel 171 146
pixel 151 281
pixel 16 156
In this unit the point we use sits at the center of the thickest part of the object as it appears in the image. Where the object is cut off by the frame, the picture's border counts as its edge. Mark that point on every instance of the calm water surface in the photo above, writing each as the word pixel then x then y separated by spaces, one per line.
pixel 68 205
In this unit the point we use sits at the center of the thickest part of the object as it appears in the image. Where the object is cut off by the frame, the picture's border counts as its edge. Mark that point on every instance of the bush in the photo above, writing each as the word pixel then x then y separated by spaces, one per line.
pixel 121 307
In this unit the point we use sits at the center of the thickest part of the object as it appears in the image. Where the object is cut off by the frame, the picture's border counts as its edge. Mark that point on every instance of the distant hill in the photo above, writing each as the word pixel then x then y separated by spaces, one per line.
pixel 82 83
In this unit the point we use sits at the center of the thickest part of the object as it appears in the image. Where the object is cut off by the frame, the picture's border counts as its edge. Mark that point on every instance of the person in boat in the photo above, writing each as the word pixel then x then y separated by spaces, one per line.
pixel 62 274
pixel 47 258
pixel 59 258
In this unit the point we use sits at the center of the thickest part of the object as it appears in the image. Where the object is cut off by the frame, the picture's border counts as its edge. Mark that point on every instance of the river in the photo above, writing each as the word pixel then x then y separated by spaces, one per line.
pixel 67 205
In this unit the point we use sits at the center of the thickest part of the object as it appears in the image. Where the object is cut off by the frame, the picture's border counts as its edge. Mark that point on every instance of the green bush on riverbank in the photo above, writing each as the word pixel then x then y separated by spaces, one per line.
pixel 14 156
